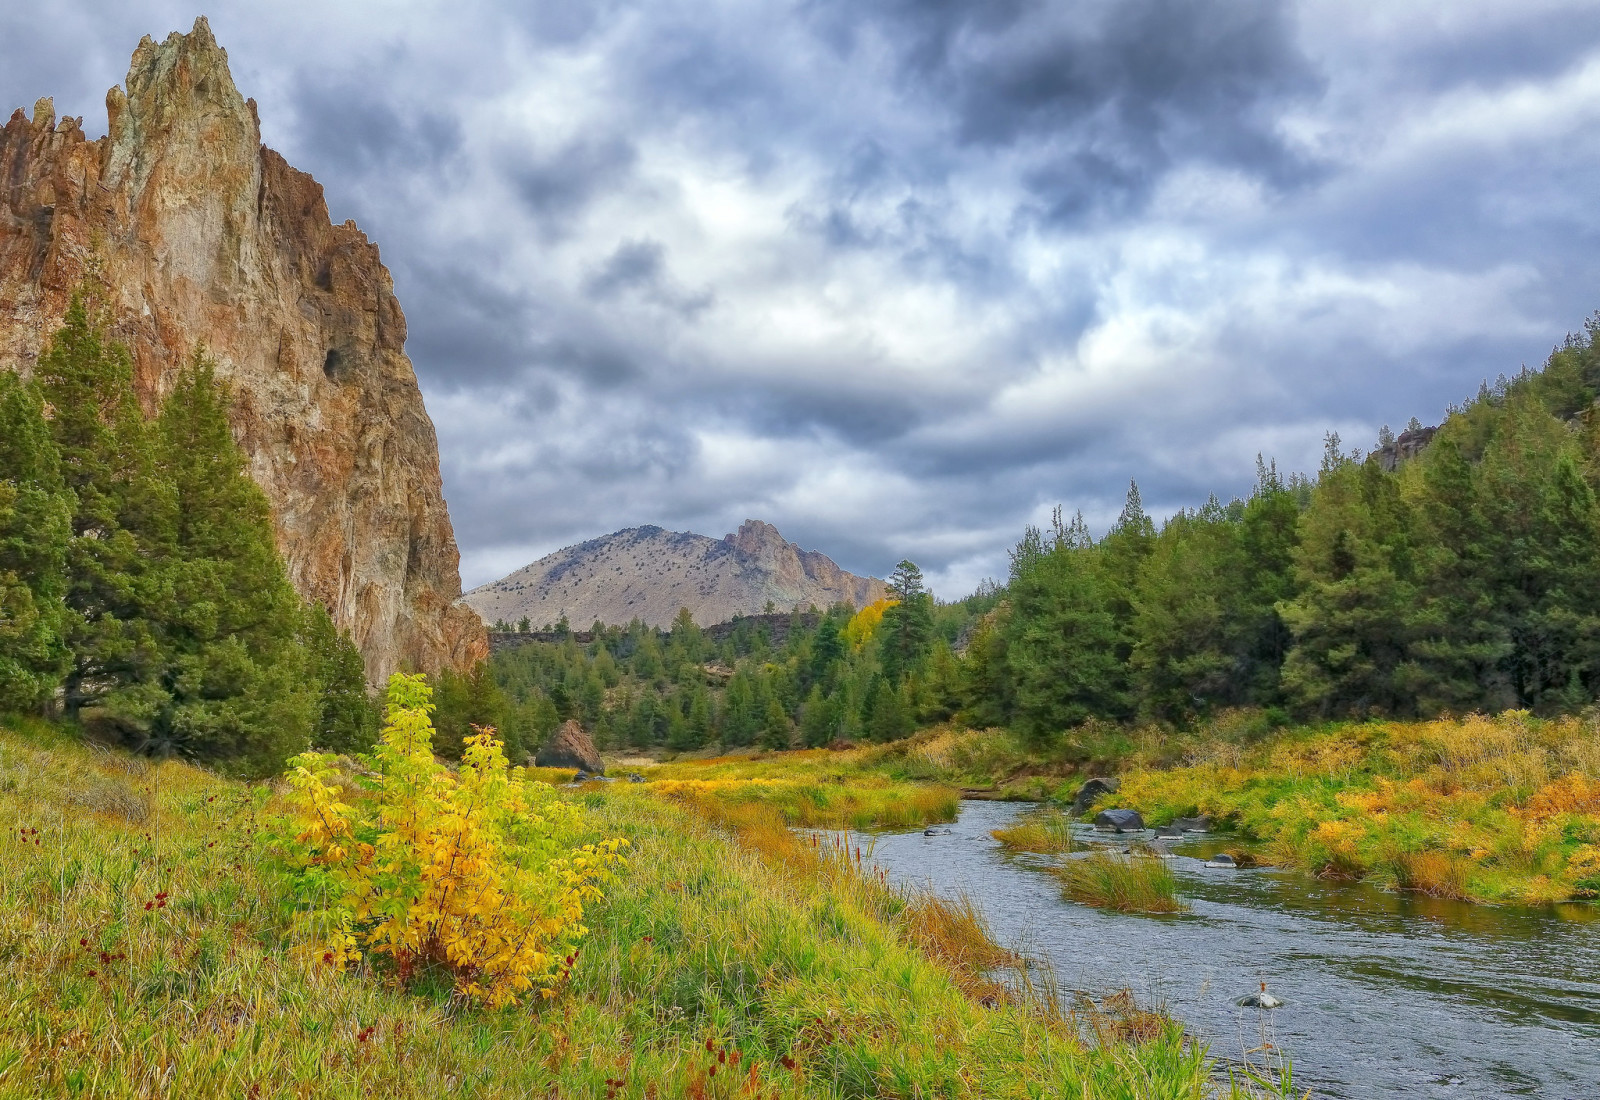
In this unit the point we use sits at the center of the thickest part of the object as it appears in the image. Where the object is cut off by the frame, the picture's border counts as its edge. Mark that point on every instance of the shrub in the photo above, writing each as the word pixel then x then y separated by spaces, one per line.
pixel 473 871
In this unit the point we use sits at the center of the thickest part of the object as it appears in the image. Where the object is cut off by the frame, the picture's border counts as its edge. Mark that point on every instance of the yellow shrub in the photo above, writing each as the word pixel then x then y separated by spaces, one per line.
pixel 474 870
pixel 1571 794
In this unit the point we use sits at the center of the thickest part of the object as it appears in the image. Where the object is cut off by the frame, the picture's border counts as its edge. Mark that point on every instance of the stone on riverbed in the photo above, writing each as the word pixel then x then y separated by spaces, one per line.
pixel 935 832
pixel 1167 832
pixel 1201 824
pixel 1121 821
pixel 1222 859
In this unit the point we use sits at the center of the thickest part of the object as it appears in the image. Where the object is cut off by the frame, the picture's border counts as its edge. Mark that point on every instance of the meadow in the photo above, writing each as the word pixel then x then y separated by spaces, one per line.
pixel 148 947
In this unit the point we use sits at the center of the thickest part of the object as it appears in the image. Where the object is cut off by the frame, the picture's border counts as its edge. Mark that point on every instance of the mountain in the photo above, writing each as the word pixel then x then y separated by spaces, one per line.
pixel 201 235
pixel 649 573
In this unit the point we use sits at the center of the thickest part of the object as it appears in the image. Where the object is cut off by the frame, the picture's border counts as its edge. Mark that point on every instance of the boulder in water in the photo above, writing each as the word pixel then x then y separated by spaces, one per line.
pixel 1090 791
pixel 932 831
pixel 1222 859
pixel 1259 1000
pixel 1167 832
pixel 1121 821
pixel 1201 824
pixel 571 747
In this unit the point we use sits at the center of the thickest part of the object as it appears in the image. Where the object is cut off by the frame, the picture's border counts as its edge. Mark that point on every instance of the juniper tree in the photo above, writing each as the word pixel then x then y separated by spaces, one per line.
pixel 35 527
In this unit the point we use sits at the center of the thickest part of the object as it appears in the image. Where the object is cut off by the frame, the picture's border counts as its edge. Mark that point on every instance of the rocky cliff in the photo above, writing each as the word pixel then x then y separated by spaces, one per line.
pixel 649 573
pixel 200 235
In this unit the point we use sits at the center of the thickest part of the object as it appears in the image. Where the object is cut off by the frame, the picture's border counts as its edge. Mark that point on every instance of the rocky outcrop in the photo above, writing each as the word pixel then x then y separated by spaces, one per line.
pixel 201 236
pixel 571 747
pixel 649 573
pixel 1408 445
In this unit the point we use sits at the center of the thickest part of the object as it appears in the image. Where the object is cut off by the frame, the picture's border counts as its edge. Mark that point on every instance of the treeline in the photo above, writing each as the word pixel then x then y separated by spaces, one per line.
pixel 1465 578
pixel 836 675
pixel 140 587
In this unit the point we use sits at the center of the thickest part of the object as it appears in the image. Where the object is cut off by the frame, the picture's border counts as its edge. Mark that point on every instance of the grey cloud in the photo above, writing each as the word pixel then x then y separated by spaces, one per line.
pixel 555 185
pixel 971 194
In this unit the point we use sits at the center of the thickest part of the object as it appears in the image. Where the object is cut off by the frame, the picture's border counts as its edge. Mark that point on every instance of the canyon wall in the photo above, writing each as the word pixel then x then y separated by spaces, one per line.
pixel 201 236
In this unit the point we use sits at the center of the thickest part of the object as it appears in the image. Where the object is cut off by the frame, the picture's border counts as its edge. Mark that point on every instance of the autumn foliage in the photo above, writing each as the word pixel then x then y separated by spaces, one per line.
pixel 473 870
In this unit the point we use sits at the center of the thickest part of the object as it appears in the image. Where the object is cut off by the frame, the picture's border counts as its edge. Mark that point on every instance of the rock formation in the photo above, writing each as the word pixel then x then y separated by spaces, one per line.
pixel 571 747
pixel 648 573
pixel 200 235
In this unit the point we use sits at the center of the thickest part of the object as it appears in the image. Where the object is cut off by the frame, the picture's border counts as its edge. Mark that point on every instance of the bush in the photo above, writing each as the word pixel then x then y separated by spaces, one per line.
pixel 1143 885
pixel 474 872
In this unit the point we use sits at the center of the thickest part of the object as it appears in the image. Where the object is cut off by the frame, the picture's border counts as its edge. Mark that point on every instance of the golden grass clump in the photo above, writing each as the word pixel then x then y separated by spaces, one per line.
pixel 1047 831
pixel 1123 883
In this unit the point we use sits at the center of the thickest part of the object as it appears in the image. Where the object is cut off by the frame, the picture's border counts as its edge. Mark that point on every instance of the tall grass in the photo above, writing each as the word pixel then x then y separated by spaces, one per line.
pixel 1129 885
pixel 1045 831
pixel 151 956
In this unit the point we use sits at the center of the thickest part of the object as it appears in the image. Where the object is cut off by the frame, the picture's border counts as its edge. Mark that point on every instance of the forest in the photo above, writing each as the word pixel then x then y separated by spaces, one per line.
pixel 1454 581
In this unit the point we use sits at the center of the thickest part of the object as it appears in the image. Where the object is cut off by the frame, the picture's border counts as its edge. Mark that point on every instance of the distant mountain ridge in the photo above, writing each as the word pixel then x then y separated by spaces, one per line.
pixel 648 573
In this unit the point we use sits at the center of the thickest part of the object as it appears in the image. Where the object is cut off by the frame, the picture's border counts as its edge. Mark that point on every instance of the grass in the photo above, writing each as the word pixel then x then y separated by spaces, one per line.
pixel 1123 883
pixel 1503 809
pixel 145 950
pixel 813 788
pixel 1046 831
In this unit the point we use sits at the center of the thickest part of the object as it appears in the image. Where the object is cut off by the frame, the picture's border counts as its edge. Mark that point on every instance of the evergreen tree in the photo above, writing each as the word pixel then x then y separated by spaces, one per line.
pixel 1062 637
pixel 775 727
pixel 464 701
pixel 907 625
pixel 35 527
pixel 819 721
pixel 347 717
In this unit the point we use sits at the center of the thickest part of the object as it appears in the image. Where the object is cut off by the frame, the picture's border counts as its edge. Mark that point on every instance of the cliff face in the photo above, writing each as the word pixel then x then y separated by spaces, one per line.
pixel 201 235
pixel 649 573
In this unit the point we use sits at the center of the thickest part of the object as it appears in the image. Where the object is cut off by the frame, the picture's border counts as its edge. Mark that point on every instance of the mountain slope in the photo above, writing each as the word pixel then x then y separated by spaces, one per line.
pixel 649 573
pixel 201 235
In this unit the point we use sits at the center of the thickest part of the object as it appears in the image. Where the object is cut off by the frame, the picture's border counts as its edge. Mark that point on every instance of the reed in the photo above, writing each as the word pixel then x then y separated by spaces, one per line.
pixel 1128 885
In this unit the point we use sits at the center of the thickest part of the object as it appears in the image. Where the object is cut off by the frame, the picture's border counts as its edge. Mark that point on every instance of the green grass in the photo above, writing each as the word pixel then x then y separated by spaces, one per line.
pixel 724 962
pixel 1125 883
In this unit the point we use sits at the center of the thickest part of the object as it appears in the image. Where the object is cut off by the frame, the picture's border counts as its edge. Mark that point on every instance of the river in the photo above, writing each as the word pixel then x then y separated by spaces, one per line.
pixel 1384 994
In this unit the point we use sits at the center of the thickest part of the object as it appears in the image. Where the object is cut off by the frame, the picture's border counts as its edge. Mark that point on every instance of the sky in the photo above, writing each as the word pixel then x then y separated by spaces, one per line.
pixel 901 276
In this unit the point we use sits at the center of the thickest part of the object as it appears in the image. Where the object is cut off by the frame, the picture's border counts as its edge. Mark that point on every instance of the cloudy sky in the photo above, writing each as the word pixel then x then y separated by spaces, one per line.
pixel 899 276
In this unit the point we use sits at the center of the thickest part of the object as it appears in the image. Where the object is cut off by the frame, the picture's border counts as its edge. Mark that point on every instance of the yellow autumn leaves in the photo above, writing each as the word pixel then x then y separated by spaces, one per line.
pixel 475 870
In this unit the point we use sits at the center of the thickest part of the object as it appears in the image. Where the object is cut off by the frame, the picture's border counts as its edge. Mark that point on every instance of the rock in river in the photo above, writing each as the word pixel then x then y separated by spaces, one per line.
pixel 1090 791
pixel 1259 1000
pixel 1201 824
pixel 1122 821
pixel 1222 859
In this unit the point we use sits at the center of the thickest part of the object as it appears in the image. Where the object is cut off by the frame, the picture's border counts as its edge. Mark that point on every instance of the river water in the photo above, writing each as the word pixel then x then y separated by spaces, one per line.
pixel 1384 994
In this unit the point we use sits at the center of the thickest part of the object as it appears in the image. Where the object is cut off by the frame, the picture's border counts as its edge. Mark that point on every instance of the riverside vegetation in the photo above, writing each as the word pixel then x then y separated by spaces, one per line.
pixel 156 940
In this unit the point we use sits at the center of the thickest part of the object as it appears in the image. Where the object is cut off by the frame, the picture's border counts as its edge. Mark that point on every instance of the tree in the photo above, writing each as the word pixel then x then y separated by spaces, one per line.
pixel 819 719
pixel 464 703
pixel 347 718
pixel 776 728
pixel 35 528
pixel 1062 637
pixel 907 623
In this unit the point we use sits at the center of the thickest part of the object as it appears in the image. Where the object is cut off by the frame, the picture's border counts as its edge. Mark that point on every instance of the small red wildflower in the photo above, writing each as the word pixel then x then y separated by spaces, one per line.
pixel 149 905
pixel 91 973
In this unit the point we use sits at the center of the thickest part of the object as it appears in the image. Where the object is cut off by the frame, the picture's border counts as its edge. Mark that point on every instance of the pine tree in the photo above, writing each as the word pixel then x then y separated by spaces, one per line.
pixel 1062 637
pixel 35 528
pixel 907 625
pixel 775 726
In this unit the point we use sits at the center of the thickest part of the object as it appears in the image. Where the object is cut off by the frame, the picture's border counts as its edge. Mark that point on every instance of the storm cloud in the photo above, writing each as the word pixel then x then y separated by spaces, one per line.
pixel 901 275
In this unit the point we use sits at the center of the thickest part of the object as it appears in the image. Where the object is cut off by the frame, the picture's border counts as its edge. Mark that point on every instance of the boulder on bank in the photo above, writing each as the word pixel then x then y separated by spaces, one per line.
pixel 1090 791
pixel 571 747
pixel 1122 821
